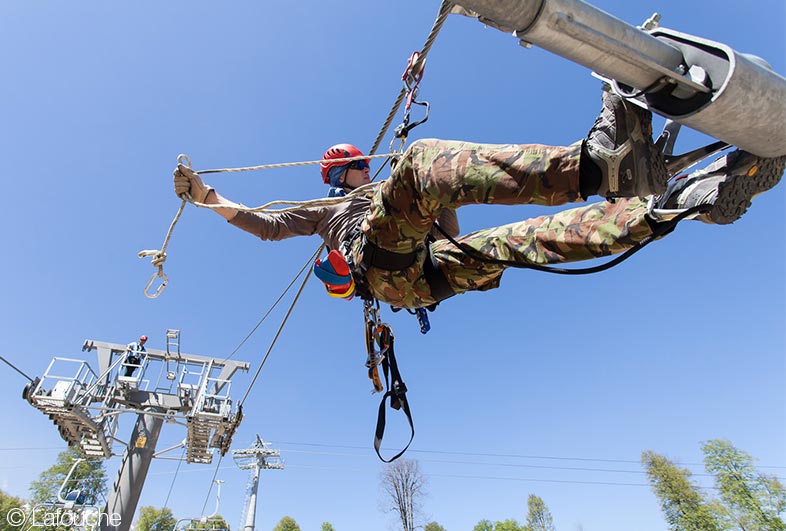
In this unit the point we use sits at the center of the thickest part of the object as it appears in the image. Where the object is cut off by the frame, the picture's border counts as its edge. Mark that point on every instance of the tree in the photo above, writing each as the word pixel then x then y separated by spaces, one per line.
pixel 484 525
pixel 538 515
pixel 13 505
pixel 684 507
pixel 505 525
pixel 752 501
pixel 287 524
pixel 433 526
pixel 404 487
pixel 327 526
pixel 152 519
pixel 509 525
pixel 89 477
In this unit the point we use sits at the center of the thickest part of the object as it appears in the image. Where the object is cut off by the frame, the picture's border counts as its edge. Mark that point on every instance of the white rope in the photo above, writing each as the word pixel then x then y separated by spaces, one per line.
pixel 159 257
pixel 290 164
pixel 293 205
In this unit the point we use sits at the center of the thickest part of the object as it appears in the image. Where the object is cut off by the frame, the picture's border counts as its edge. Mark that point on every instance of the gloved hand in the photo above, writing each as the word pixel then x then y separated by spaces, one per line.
pixel 187 181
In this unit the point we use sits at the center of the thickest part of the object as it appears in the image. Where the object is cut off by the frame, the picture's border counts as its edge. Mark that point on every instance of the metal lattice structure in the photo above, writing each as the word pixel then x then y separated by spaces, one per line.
pixel 189 390
pixel 255 458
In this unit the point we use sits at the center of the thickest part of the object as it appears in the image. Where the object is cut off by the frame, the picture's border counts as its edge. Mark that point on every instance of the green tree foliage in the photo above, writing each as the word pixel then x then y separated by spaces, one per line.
pixel 7 503
pixel 433 526
pixel 538 515
pixel 287 524
pixel 484 525
pixel 751 501
pixel 683 505
pixel 509 525
pixel 89 477
pixel 327 526
pixel 505 525
pixel 152 519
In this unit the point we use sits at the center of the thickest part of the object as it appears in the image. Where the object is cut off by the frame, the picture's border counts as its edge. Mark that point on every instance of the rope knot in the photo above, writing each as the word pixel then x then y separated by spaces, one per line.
pixel 159 257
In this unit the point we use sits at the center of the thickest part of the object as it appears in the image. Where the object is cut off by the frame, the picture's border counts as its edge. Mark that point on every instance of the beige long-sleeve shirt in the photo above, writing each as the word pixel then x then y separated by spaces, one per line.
pixel 333 223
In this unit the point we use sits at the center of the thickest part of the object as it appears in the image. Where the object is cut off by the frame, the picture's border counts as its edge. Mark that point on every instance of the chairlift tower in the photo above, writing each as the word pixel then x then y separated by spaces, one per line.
pixel 190 390
pixel 255 458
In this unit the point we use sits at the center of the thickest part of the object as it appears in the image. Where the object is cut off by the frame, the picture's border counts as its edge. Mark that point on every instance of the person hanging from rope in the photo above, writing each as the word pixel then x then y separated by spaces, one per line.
pixel 384 235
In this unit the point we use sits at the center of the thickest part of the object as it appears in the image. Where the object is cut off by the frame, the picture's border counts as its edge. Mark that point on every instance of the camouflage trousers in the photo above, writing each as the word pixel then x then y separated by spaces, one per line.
pixel 436 174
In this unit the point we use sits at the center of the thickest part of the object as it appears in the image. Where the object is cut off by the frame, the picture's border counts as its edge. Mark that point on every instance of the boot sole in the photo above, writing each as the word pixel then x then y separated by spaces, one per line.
pixel 656 171
pixel 749 176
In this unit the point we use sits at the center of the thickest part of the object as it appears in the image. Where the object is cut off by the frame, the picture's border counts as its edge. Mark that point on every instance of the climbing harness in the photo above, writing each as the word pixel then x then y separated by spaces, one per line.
pixel 379 345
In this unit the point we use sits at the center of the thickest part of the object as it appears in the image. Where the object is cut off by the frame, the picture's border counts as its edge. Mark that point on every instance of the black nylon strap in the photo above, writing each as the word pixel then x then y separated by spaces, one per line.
pixel 397 392
pixel 376 256
pixel 437 282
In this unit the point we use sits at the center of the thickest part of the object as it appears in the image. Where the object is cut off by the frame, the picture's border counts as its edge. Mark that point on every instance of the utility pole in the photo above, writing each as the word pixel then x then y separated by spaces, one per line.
pixel 255 458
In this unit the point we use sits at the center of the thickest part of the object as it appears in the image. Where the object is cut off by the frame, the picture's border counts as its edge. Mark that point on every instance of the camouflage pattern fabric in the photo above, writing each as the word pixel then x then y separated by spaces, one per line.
pixel 435 174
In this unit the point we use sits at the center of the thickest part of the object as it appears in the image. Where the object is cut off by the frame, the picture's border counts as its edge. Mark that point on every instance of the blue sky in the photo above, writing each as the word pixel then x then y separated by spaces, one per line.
pixel 550 385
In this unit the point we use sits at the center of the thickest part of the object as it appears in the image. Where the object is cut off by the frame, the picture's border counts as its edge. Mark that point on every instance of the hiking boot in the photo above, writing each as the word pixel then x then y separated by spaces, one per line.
pixel 726 187
pixel 620 144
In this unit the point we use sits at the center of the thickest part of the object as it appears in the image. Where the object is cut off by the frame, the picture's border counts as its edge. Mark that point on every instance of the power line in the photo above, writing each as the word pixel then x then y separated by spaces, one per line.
pixel 492 454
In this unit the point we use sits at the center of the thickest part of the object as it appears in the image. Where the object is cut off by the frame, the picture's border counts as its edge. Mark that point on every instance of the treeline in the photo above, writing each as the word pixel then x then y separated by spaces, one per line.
pixel 743 498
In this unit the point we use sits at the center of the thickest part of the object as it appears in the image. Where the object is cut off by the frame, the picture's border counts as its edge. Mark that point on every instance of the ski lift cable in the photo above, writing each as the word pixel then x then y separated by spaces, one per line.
pixel 177 471
pixel 278 333
pixel 273 306
pixel 15 368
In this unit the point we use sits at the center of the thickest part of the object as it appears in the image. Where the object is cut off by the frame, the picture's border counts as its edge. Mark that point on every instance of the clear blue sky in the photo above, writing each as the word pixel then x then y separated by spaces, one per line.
pixel 683 343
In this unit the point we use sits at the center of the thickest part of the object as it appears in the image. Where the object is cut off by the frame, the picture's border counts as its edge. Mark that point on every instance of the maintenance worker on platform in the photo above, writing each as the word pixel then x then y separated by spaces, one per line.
pixel 135 353
pixel 380 240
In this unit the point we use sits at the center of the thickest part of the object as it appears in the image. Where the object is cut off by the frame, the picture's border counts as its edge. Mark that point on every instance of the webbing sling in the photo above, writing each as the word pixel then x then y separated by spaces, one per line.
pixel 396 390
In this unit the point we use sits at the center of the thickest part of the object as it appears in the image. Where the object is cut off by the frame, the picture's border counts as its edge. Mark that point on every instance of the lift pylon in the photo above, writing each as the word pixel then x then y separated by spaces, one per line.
pixel 85 404
pixel 255 458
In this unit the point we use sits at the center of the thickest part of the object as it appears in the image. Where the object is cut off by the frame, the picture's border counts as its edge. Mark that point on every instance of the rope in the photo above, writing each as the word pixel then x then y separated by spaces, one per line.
pixel 290 164
pixel 272 307
pixel 294 205
pixel 172 485
pixel 278 333
pixel 159 257
pixel 444 11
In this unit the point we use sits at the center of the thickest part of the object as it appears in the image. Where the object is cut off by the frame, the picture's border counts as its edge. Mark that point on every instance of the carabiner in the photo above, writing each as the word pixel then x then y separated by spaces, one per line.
pixel 164 282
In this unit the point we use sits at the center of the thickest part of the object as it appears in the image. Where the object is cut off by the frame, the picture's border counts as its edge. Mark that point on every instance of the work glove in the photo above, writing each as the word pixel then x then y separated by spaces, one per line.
pixel 188 182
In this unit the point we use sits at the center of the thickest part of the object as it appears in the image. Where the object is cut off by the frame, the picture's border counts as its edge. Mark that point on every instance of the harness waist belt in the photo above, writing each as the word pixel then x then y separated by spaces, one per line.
pixel 387 260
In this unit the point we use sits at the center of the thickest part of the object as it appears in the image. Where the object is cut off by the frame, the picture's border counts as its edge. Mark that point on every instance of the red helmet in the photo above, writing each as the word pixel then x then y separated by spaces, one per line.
pixel 142 338
pixel 339 151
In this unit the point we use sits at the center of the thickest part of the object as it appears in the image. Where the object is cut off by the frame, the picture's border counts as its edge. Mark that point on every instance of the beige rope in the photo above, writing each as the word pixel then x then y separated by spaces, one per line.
pixel 290 164
pixel 159 257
